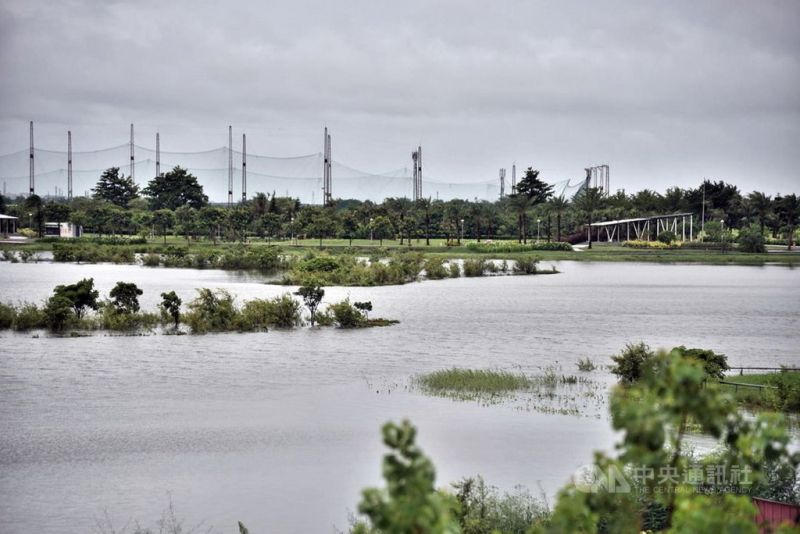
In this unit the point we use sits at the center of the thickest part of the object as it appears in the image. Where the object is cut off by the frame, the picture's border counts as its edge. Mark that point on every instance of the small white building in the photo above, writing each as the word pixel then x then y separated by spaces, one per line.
pixel 8 224
pixel 62 229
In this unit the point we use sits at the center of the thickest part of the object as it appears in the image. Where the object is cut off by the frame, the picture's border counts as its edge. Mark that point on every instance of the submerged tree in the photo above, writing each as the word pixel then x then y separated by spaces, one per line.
pixel 80 295
pixel 171 307
pixel 312 297
pixel 125 297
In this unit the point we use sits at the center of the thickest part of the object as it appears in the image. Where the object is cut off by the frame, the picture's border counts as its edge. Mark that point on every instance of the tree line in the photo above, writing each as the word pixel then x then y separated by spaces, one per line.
pixel 174 204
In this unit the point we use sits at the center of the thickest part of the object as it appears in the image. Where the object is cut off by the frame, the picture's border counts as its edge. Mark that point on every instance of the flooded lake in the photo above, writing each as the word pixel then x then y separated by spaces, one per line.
pixel 281 429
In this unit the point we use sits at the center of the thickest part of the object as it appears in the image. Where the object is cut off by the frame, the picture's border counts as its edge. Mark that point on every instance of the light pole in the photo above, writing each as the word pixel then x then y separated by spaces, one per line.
pixel 291 226
pixel 30 220
pixel 722 233
pixel 538 226
pixel 462 232
pixel 371 229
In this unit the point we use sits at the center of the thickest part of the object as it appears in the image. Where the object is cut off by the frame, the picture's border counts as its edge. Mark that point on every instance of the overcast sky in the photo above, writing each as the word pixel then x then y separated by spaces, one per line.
pixel 666 93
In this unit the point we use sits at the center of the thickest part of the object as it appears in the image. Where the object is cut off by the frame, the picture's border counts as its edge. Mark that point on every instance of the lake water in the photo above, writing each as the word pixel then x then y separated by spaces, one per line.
pixel 281 429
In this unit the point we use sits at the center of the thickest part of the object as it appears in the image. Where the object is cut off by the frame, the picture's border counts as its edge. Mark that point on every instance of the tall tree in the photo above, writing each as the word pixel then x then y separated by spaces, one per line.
pixel 174 189
pixel 116 188
pixel 761 206
pixel 788 210
pixel 558 205
pixel 530 192
pixel 588 202
pixel 164 219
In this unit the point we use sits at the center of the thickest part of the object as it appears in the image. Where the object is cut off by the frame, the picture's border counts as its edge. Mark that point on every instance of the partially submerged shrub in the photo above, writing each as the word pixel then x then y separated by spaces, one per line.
pixel 632 362
pixel 474 267
pixel 483 509
pixel 170 308
pixel 29 317
pixel 211 311
pixel 346 315
pixel 279 312
pixel 525 265
pixel 435 269
pixel 586 365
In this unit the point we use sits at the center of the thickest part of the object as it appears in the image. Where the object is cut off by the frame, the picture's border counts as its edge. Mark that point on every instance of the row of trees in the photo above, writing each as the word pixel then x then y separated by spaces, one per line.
pixel 174 202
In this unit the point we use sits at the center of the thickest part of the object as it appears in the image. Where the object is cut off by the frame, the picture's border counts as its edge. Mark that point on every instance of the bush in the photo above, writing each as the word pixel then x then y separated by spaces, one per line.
pixel 482 509
pixel 59 313
pixel 346 315
pixel 211 311
pixel 279 312
pixel 435 269
pixel 586 365
pixel 751 240
pixel 512 247
pixel 632 363
pixel 787 392
pixel 474 267
pixel 29 317
pixel 666 237
pixel 525 265
pixel 7 316
pixel 455 269
pixel 714 364
pixel 115 319
pixel 647 244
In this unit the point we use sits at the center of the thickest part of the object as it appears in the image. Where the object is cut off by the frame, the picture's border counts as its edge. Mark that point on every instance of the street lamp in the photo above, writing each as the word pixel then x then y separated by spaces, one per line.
pixel 291 225
pixel 462 232
pixel 538 225
pixel 30 219
pixel 371 229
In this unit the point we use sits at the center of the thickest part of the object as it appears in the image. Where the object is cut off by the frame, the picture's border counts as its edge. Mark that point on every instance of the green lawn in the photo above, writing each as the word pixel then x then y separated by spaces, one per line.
pixel 784 398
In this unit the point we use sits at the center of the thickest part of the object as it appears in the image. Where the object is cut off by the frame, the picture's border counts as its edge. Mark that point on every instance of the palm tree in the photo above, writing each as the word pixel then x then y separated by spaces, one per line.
pixel 589 201
pixel 761 206
pixel 424 207
pixel 788 209
pixel 558 205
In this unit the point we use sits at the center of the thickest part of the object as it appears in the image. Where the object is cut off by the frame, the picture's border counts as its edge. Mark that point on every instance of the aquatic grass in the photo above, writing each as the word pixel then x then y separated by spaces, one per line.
pixel 548 392
pixel 474 381
pixel 586 365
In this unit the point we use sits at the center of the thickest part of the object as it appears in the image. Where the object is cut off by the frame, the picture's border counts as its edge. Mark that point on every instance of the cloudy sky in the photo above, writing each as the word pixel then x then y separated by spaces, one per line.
pixel 666 93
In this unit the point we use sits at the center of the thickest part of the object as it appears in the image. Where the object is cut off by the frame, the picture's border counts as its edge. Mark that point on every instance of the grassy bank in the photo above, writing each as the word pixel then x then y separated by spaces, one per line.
pixel 779 391
pixel 122 251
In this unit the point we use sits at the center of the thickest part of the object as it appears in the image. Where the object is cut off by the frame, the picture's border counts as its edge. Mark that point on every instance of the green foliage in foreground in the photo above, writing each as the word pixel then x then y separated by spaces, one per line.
pixel 653 416
pixel 347 270
pixel 410 502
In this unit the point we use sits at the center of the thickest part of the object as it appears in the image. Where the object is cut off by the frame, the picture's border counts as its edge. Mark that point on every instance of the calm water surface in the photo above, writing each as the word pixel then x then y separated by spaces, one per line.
pixel 281 429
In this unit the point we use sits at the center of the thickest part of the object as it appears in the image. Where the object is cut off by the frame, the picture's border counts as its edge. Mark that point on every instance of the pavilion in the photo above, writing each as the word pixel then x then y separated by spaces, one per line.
pixel 620 230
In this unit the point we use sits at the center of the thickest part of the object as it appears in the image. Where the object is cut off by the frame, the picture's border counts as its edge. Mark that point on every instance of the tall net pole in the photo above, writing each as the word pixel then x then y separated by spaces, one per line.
pixel 329 199
pixel 158 154
pixel 419 171
pixel 132 170
pixel 414 156
pixel 244 168
pixel 69 165
pixel 230 166
pixel 30 166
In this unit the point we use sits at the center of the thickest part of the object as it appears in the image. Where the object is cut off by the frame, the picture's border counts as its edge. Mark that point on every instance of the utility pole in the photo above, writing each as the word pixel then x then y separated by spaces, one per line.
pixel 230 166
pixel 502 183
pixel 69 165
pixel 244 168
pixel 416 182
pixel 158 154
pixel 132 171
pixel 30 167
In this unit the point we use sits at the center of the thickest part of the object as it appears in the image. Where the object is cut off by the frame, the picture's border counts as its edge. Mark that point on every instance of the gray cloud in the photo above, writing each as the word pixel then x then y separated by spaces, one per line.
pixel 664 92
